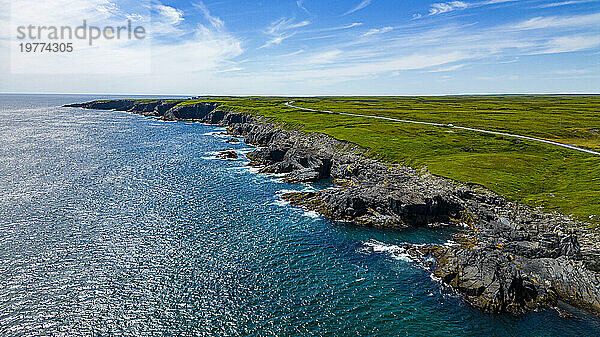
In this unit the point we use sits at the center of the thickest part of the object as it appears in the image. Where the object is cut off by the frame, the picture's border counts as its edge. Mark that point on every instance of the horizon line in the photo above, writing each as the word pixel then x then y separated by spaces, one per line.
pixel 321 95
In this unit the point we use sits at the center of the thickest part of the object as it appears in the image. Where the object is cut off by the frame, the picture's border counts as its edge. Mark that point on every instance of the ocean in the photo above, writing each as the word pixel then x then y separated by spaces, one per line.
pixel 116 224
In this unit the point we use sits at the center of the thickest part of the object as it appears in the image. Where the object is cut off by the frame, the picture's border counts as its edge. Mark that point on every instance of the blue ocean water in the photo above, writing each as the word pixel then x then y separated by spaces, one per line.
pixel 115 224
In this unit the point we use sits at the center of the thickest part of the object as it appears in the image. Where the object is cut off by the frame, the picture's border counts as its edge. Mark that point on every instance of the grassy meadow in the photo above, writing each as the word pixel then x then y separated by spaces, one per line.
pixel 528 172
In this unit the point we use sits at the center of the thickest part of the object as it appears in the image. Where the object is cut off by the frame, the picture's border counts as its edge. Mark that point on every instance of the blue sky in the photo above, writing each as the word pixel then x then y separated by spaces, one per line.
pixel 358 47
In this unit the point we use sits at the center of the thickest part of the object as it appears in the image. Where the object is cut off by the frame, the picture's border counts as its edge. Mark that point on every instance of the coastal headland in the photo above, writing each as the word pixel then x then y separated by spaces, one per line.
pixel 515 251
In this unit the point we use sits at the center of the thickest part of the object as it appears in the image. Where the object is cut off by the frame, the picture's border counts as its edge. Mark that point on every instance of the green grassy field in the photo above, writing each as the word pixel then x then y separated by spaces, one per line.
pixel 528 172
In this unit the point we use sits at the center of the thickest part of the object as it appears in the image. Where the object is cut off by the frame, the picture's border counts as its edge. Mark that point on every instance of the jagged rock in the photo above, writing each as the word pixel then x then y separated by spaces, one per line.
pixel 565 314
pixel 145 108
pixel 491 280
pixel 592 262
pixel 229 154
pixel 569 246
pixel 162 108
pixel 120 105
pixel 196 111
pixel 303 175
pixel 268 156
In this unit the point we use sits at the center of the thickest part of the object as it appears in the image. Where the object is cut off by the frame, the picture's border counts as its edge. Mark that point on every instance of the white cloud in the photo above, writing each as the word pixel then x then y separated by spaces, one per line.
pixel 564 3
pixel 102 56
pixel 204 49
pixel 206 58
pixel 108 9
pixel 446 69
pixel 65 12
pixel 444 47
pixel 297 52
pixel 284 24
pixel 214 21
pixel 134 17
pixel 344 71
pixel 169 14
pixel 376 31
pixel 279 31
pixel 493 2
pixel 166 21
pixel 230 70
pixel 322 58
pixel 208 51
pixel 557 22
pixel 445 7
pixel 573 43
pixel 572 72
pixel 210 48
pixel 352 25
pixel 300 4
pixel 358 7
pixel 330 29
pixel 277 40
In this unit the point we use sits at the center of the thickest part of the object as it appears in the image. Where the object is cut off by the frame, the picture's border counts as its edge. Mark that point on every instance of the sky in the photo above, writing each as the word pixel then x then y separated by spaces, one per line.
pixel 312 47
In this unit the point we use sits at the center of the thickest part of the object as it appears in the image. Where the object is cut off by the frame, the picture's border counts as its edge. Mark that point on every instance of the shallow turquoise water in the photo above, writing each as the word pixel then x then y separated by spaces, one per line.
pixel 111 223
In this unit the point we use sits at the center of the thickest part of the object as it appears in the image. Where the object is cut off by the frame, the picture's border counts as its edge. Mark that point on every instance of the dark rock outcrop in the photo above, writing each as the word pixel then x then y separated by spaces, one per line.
pixel 145 108
pixel 121 105
pixel 161 108
pixel 229 154
pixel 197 111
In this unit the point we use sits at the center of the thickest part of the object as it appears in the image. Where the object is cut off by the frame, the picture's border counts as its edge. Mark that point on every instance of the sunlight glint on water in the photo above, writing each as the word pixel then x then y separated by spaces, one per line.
pixel 113 223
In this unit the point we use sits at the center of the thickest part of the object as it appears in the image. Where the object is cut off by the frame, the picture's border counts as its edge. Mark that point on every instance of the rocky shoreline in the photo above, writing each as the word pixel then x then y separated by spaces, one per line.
pixel 509 258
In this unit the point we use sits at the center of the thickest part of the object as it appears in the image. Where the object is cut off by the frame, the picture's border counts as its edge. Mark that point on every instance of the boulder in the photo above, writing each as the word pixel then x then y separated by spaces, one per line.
pixel 229 155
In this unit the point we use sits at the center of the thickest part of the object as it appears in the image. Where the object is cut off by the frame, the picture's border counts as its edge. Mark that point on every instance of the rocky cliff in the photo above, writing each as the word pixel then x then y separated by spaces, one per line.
pixel 508 258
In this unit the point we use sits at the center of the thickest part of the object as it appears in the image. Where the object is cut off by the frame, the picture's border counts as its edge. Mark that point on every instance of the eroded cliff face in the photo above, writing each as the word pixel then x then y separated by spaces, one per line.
pixel 508 258
pixel 154 108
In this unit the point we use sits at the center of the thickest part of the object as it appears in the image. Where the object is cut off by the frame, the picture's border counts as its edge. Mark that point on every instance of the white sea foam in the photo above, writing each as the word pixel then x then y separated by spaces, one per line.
pixel 254 169
pixel 275 177
pixel 285 191
pixel 429 259
pixel 312 214
pixel 213 154
pixel 450 243
pixel 396 252
pixel 281 202
pixel 218 133
pixel 245 150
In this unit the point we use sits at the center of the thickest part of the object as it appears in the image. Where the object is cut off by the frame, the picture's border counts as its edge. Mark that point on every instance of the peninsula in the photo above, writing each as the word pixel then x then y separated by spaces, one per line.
pixel 518 175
